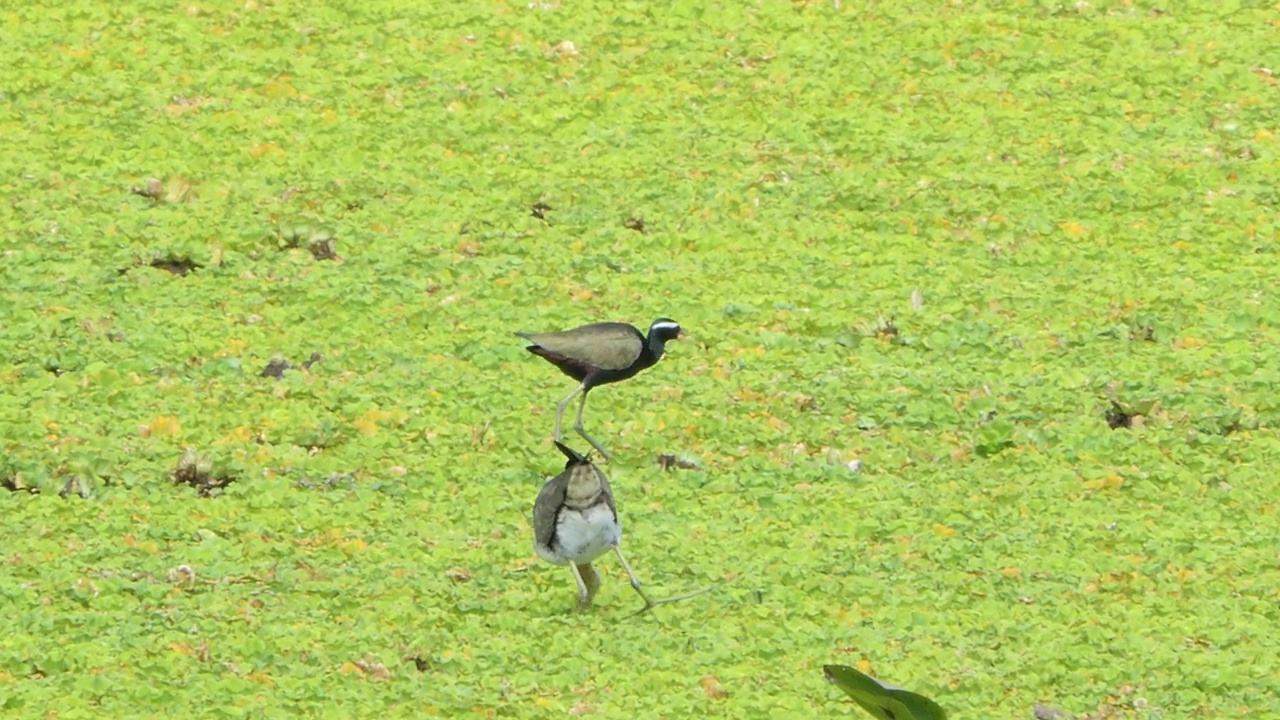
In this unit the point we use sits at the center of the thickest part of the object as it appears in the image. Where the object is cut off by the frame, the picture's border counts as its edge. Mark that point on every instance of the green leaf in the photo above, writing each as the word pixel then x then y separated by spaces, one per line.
pixel 994 437
pixel 882 700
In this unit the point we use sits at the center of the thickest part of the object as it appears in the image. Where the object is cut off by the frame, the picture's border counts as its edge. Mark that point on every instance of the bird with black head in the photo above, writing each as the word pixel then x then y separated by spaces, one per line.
pixel 599 354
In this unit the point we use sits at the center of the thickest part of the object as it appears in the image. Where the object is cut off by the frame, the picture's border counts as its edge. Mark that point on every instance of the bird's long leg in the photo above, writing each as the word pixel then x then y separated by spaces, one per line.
pixel 588 582
pixel 635 582
pixel 577 425
pixel 591 579
pixel 650 603
pixel 560 406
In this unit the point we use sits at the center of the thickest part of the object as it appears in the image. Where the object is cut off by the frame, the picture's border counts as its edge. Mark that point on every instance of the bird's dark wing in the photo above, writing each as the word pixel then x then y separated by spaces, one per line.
pixel 608 346
pixel 608 494
pixel 547 507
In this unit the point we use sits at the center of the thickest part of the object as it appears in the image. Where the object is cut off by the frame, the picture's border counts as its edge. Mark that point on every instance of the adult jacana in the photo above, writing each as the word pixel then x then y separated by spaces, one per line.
pixel 599 354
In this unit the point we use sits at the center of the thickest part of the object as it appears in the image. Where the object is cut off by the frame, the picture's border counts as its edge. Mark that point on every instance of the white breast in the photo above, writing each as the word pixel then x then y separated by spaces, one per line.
pixel 584 535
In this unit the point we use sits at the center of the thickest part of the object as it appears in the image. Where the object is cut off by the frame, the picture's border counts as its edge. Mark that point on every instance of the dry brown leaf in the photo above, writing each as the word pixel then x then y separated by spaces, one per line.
pixel 712 688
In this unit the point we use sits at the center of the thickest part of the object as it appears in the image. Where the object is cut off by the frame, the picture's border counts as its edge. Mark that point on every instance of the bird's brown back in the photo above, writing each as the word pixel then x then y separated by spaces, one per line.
pixel 608 345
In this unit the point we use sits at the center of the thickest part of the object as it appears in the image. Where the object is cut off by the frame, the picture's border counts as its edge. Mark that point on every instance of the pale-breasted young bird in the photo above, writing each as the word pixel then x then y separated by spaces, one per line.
pixel 575 522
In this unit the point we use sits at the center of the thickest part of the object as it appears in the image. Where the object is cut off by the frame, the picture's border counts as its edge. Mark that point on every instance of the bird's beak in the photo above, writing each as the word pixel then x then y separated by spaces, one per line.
pixel 570 453
pixel 682 335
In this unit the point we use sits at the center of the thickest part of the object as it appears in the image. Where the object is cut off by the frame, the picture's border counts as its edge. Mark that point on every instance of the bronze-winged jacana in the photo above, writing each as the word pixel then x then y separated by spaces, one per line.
pixel 599 354
pixel 575 522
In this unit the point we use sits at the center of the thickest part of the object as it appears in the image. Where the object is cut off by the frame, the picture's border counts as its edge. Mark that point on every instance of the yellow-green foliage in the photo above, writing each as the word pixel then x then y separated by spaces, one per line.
pixel 929 254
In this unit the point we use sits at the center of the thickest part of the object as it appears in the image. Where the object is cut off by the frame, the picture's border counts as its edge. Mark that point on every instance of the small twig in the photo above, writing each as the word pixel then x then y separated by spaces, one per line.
pixel 477 438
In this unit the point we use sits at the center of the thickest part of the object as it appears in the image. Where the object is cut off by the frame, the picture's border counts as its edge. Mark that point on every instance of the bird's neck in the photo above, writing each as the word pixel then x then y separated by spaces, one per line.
pixel 656 347
pixel 584 487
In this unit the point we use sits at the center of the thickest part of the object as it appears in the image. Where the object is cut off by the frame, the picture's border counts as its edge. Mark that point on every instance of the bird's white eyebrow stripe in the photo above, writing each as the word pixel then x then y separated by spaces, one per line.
pixel 666 326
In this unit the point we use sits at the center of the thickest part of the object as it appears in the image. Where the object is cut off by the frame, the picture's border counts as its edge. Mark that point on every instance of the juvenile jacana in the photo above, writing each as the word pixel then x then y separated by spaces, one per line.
pixel 575 522
pixel 599 354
